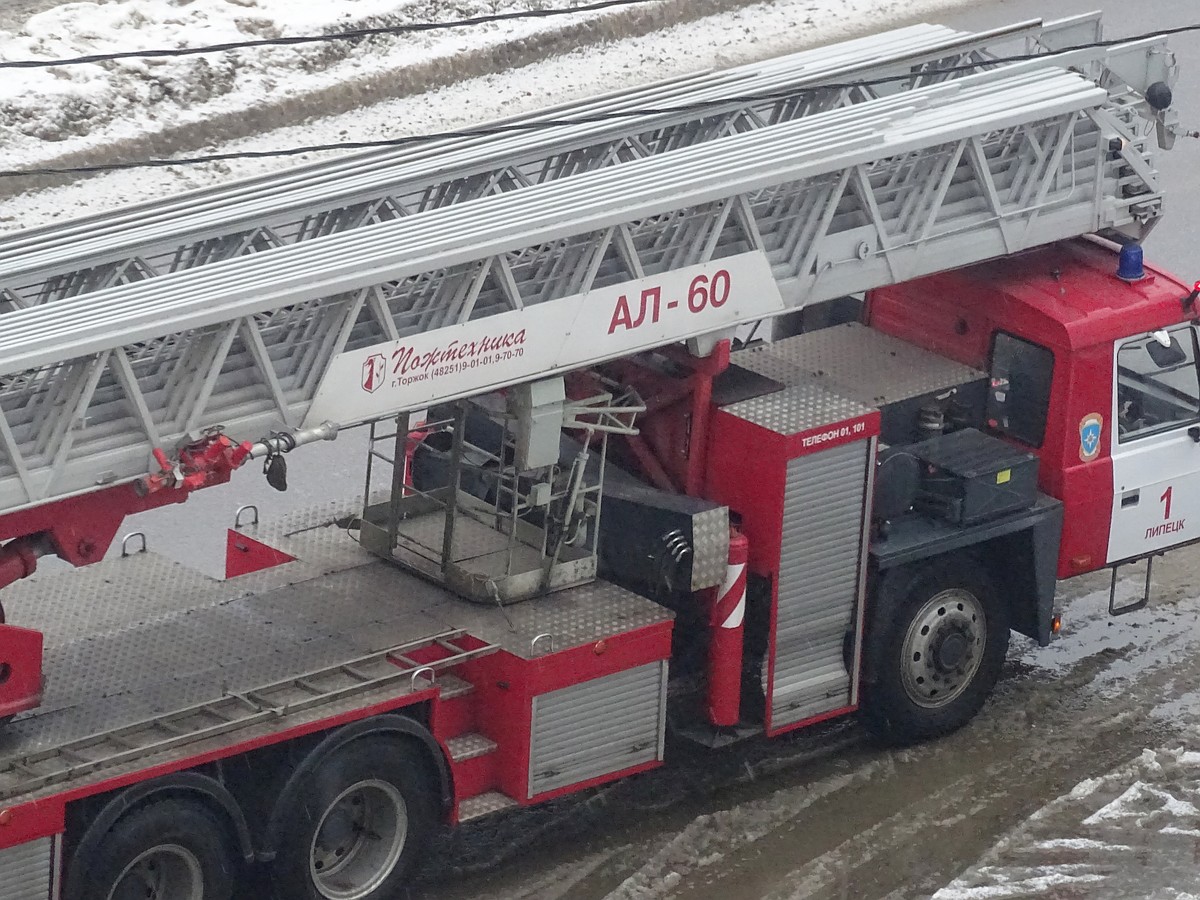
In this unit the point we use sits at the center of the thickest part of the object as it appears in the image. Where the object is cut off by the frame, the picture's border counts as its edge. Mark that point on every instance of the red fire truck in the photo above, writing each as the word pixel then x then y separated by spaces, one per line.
pixel 629 428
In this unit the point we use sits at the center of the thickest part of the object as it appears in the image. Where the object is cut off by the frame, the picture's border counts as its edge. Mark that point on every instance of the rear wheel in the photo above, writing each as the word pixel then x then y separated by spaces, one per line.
pixel 356 829
pixel 937 643
pixel 172 849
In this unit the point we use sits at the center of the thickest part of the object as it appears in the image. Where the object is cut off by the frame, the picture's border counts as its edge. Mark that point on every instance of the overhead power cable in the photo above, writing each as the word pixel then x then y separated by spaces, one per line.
pixel 540 124
pixel 354 34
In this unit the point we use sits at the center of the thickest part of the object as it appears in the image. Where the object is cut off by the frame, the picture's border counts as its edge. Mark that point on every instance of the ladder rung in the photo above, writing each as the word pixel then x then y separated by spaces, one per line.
pixel 215 713
pixel 355 673
pixel 448 644
pixel 256 699
pixel 308 686
pixel 117 738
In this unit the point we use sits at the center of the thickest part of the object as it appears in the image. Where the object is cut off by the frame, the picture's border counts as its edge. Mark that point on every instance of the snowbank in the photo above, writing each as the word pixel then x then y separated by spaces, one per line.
pixel 61 102
pixel 72 113
pixel 140 108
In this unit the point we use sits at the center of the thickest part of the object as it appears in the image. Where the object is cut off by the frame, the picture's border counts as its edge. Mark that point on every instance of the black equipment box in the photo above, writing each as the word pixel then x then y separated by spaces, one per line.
pixel 969 477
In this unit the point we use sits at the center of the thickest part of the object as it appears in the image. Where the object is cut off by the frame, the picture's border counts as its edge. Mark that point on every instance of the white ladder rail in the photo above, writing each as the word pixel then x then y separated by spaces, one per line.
pixel 54 263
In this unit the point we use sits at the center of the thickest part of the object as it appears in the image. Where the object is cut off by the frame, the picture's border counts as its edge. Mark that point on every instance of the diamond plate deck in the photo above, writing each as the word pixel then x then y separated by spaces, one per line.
pixel 571 617
pixel 469 746
pixel 859 363
pixel 478 548
pixel 483 805
pixel 139 636
pixel 803 405
pixel 313 536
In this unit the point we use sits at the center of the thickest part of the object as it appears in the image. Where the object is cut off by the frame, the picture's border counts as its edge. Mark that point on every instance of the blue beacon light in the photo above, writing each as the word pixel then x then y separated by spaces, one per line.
pixel 1129 263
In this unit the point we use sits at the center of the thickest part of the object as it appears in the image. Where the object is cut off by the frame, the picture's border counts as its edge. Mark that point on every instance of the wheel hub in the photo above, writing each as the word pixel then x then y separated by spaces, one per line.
pixel 166 872
pixel 951 650
pixel 358 840
pixel 943 648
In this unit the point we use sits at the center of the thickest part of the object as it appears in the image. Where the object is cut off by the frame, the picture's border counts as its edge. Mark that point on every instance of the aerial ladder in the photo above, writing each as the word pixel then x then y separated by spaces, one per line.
pixel 201 227
pixel 736 211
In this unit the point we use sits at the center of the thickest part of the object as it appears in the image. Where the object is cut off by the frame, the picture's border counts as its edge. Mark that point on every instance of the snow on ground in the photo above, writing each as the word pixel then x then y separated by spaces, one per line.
pixel 709 838
pixel 1132 833
pixel 1131 644
pixel 753 32
pixel 108 99
pixel 1135 831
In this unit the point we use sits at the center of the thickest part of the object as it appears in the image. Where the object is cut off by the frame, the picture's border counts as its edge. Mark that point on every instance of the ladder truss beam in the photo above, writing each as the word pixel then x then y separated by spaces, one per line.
pixel 203 227
pixel 834 203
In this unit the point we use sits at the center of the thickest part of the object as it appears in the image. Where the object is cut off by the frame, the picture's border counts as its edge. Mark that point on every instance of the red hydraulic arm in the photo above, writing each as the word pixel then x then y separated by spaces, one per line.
pixel 676 388
pixel 80 530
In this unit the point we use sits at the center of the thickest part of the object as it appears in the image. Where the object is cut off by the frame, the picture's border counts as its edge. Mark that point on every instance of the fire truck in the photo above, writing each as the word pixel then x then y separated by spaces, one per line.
pixel 718 407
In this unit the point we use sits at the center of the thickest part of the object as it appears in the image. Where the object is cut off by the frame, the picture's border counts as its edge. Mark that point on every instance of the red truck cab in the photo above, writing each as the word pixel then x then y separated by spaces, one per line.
pixel 1093 371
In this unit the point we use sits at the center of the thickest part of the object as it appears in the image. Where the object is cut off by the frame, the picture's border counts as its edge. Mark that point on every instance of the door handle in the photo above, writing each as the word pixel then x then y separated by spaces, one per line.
pixel 1130 498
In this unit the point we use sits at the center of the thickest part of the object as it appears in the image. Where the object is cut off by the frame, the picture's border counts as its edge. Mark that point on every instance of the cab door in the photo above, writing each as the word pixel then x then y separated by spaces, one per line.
pixel 1156 447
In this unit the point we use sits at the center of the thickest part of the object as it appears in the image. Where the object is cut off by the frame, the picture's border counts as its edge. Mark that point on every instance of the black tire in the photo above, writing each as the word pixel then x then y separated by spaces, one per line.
pixel 340 839
pixel 935 648
pixel 169 849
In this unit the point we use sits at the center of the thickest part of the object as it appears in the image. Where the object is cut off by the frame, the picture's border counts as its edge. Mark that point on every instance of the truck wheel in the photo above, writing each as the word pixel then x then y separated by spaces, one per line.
pixel 937 643
pixel 172 849
pixel 356 829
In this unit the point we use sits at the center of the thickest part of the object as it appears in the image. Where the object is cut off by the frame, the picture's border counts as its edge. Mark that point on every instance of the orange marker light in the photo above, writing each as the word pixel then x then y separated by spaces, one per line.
pixel 1056 625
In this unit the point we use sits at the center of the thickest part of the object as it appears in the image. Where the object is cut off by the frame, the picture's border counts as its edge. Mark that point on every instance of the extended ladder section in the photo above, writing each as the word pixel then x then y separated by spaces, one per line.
pixel 236 710
pixel 511 287
pixel 202 227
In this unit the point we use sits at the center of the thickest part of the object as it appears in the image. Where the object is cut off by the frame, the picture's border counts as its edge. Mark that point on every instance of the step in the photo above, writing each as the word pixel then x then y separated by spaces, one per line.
pixel 454 713
pixel 452 686
pixel 469 746
pixel 484 805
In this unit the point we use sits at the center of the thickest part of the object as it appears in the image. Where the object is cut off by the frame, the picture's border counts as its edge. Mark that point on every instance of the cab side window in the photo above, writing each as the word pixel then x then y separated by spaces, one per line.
pixel 1019 395
pixel 1158 385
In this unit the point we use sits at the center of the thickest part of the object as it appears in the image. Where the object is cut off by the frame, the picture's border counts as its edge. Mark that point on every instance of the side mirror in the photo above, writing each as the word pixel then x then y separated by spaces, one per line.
pixel 1165 350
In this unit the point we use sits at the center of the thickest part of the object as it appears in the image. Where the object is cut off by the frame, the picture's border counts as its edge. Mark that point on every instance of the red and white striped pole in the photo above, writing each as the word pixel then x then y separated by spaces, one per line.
pixel 726 624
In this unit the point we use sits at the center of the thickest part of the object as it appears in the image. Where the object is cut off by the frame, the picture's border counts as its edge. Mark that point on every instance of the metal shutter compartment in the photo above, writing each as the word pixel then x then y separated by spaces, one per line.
pixel 25 870
pixel 819 576
pixel 597 727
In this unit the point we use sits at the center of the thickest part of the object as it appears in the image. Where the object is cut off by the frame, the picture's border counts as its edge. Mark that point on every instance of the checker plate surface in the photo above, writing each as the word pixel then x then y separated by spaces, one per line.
pixel 859 363
pixel 803 405
pixel 134 637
